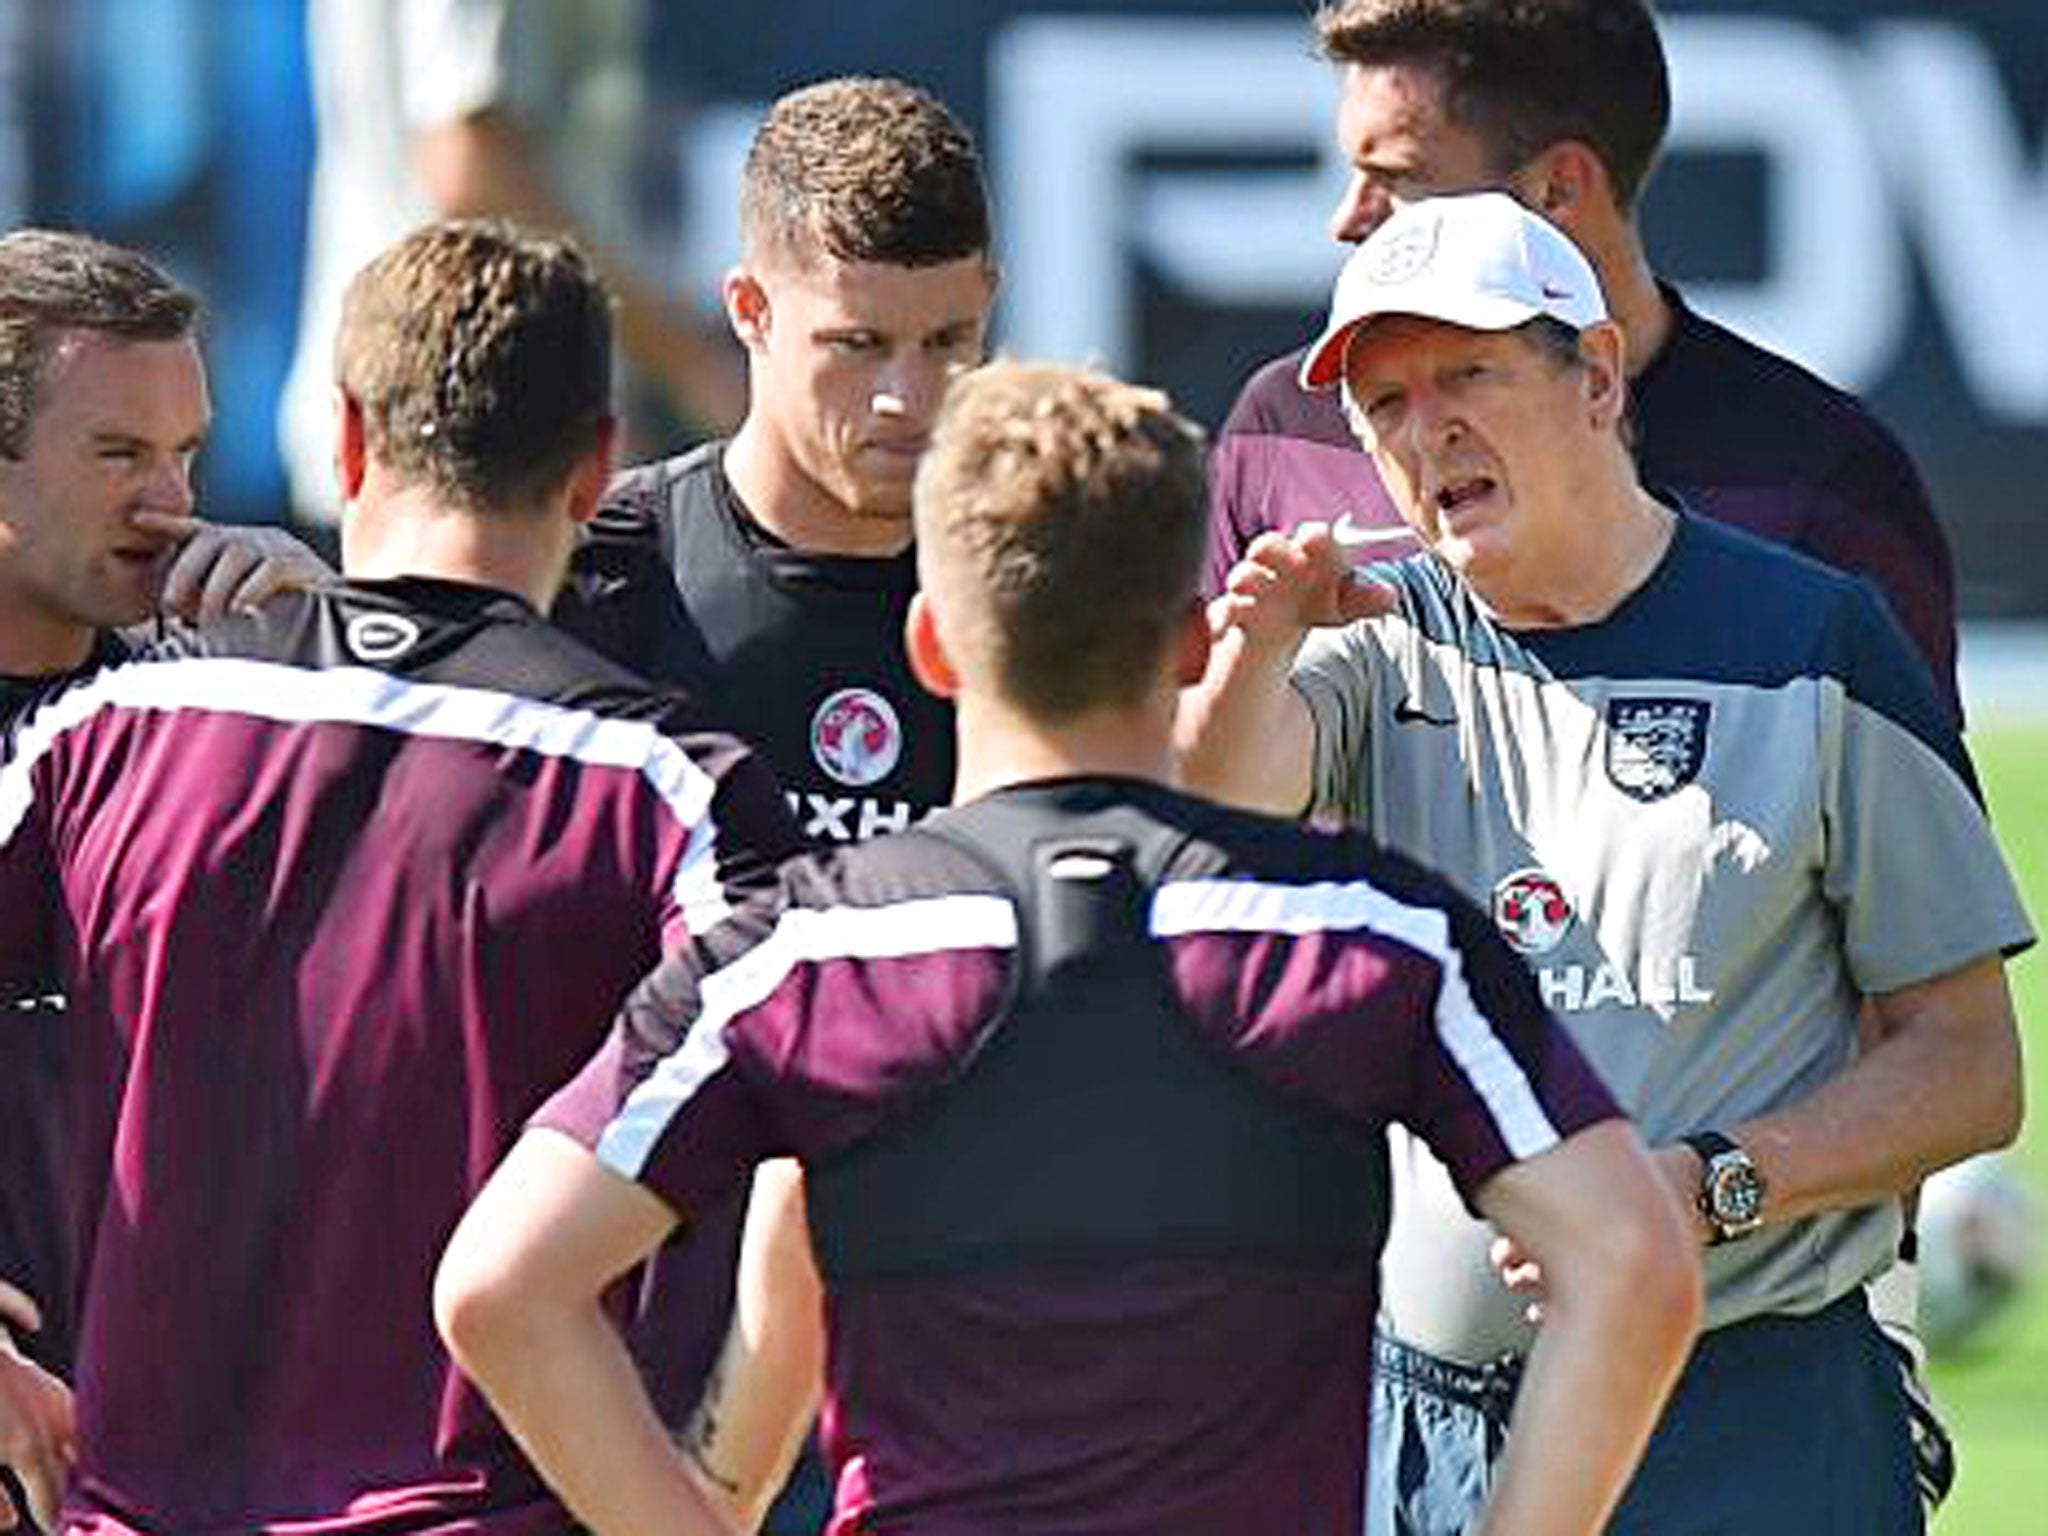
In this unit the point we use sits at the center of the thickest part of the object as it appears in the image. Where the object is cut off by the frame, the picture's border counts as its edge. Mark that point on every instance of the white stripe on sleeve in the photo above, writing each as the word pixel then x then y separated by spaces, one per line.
pixel 802 935
pixel 1184 907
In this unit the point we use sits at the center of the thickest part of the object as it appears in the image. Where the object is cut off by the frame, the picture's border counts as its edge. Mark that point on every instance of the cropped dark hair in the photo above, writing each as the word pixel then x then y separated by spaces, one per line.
pixel 1526 74
pixel 480 356
pixel 1061 519
pixel 864 169
pixel 54 281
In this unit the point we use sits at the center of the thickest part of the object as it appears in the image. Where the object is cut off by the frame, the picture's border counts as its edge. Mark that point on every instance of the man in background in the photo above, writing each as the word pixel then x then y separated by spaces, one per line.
pixel 771 573
pixel 532 110
pixel 337 891
pixel 1565 104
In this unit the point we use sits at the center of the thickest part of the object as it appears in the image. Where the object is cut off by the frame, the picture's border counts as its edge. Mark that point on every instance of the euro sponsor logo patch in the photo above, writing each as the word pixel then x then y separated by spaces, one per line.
pixel 1655 747
pixel 1532 911
pixel 856 737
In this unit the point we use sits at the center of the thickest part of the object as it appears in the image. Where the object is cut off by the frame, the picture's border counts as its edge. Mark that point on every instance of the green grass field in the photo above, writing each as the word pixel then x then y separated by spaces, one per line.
pixel 1996 1397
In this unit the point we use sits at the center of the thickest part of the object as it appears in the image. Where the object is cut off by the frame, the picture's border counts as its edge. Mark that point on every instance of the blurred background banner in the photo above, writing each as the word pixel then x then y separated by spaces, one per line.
pixel 1860 183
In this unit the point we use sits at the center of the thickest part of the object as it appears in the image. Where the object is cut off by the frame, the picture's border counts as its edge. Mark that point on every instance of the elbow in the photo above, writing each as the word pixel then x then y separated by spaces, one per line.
pixel 1647 1280
pixel 475 1307
pixel 2000 1099
pixel 1659 1280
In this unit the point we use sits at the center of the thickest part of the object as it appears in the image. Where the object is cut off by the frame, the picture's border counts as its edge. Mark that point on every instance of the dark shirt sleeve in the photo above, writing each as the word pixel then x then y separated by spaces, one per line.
pixel 1233 502
pixel 663 1101
pixel 757 833
pixel 1874 517
pixel 621 597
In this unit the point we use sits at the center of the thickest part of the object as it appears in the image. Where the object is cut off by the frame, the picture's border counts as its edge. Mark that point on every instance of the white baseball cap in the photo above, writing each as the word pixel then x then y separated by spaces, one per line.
pixel 1480 260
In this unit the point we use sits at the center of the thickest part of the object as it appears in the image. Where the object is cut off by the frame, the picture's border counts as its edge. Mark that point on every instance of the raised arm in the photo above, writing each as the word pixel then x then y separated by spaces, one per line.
pixel 519 1301
pixel 1243 734
pixel 1622 1301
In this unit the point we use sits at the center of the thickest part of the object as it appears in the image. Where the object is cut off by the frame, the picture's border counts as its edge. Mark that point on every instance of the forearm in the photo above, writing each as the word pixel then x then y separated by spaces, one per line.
pixel 1941 1082
pixel 1584 1413
pixel 1621 1298
pixel 563 1383
pixel 765 1387
pixel 1243 734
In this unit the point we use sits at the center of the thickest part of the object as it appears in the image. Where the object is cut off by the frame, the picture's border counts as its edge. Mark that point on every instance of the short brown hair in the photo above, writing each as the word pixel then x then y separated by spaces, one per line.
pixel 1060 521
pixel 864 169
pixel 1526 74
pixel 53 281
pixel 480 356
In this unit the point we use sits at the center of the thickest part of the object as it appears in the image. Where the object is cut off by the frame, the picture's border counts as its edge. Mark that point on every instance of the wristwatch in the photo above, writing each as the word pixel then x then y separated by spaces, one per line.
pixel 1731 1193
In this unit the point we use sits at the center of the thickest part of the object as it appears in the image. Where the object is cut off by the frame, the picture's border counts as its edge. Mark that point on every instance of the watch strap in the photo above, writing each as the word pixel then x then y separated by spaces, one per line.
pixel 1709 1145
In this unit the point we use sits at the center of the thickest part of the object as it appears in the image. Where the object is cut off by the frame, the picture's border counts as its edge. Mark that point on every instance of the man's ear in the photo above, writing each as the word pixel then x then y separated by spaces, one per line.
pixel 1192 647
pixel 746 307
pixel 1604 352
pixel 351 455
pixel 929 663
pixel 1564 183
pixel 593 472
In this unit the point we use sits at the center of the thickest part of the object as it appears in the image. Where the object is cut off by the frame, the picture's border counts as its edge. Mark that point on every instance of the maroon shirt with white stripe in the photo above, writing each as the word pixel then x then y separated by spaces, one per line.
pixel 343 890
pixel 1090 1080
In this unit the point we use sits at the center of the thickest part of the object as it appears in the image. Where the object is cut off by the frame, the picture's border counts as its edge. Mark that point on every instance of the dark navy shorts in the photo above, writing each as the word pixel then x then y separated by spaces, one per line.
pixel 1779 1426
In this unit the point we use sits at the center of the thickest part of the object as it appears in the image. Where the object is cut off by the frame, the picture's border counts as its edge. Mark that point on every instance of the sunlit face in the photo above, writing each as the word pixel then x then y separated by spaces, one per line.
pixel 851 361
pixel 1392 132
pixel 1483 438
pixel 117 427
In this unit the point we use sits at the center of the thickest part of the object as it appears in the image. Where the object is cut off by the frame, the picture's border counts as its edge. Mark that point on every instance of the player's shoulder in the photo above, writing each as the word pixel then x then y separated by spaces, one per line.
pixel 1763 401
pixel 644 501
pixel 1222 844
pixel 1272 403
pixel 907 873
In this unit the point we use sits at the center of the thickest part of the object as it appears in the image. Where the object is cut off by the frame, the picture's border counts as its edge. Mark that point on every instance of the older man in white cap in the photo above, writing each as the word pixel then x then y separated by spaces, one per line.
pixel 1706 789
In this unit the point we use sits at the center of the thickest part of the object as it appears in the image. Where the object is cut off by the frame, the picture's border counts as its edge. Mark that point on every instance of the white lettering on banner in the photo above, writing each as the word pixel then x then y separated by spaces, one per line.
pixel 1875 139
pixel 1071 103
pixel 1575 989
pixel 1977 202
pixel 1835 294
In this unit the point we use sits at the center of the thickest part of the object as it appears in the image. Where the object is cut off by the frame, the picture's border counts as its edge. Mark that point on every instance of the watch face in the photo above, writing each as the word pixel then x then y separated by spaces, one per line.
pixel 1735 1193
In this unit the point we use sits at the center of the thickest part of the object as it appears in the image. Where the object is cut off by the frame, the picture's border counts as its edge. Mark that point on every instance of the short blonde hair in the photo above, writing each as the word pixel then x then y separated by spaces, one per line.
pixel 1061 517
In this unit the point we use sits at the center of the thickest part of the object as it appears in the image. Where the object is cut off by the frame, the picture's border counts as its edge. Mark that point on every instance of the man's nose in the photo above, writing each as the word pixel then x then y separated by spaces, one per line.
pixel 169 487
pixel 1361 209
pixel 910 385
